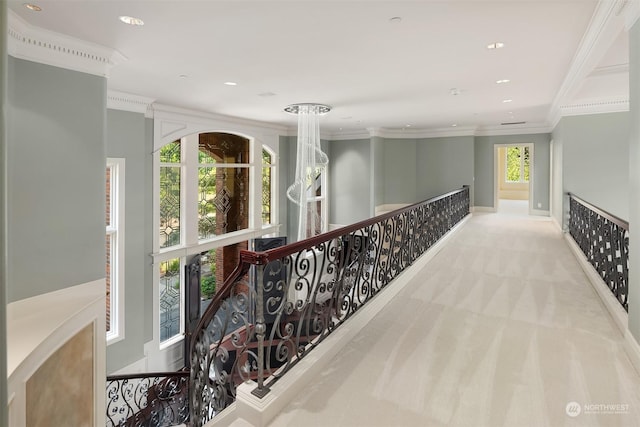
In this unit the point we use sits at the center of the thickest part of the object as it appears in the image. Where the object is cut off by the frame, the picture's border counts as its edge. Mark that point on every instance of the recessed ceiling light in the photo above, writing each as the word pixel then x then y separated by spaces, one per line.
pixel 131 20
pixel 183 76
pixel 454 91
pixel 266 94
pixel 33 7
pixel 454 125
pixel 395 20
pixel 231 83
pixel 408 126
pixel 495 45
pixel 507 100
pixel 502 81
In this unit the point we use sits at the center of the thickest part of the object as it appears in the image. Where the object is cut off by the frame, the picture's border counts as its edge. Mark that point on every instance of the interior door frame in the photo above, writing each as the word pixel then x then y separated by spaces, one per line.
pixel 496 171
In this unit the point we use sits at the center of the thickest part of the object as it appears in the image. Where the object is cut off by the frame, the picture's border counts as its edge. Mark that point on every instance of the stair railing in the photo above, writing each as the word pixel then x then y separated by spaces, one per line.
pixel 279 304
pixel 150 399
pixel 604 240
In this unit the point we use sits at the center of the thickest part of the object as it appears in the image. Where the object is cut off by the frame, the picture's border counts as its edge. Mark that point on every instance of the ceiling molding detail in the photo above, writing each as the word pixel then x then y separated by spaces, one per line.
pixel 606 23
pixel 523 129
pixel 128 102
pixel 596 107
pixel 610 70
pixel 47 47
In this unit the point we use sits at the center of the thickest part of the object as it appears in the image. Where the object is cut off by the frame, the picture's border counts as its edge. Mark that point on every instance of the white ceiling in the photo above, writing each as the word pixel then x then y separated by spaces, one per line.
pixel 349 55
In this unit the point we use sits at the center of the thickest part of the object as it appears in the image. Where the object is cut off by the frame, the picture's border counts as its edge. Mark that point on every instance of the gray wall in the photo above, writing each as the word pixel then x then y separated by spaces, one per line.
pixel 56 158
pixel 148 206
pixel 126 138
pixel 484 167
pixel 377 153
pixel 595 159
pixel 557 194
pixel 284 164
pixel 399 169
pixel 349 181
pixel 3 207
pixel 634 180
pixel 443 164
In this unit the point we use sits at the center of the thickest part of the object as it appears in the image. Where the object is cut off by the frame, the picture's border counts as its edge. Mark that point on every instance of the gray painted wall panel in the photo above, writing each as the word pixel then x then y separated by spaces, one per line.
pixel 596 160
pixel 126 138
pixel 350 184
pixel 148 237
pixel 443 164
pixel 378 170
pixel 56 154
pixel 3 209
pixel 399 171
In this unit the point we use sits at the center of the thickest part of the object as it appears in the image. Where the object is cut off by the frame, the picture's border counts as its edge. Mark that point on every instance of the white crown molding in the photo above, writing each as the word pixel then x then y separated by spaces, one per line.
pixel 610 70
pixel 605 25
pixel 28 42
pixel 615 105
pixel 350 135
pixel 410 133
pixel 128 102
pixel 521 129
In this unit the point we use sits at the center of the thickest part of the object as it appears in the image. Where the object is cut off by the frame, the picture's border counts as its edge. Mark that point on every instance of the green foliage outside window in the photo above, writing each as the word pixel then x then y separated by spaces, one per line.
pixel 517 164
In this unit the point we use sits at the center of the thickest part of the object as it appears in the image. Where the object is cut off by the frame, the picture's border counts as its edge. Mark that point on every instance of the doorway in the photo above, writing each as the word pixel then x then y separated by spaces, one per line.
pixel 513 178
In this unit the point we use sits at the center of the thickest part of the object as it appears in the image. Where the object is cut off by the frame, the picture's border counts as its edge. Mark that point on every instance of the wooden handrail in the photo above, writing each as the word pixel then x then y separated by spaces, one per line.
pixel 147 375
pixel 618 221
pixel 292 248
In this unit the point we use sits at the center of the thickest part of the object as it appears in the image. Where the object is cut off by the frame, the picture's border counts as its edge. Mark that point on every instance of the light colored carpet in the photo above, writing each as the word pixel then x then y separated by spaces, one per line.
pixel 500 329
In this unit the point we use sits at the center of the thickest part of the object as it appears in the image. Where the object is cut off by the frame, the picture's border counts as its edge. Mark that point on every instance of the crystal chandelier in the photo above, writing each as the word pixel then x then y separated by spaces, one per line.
pixel 311 164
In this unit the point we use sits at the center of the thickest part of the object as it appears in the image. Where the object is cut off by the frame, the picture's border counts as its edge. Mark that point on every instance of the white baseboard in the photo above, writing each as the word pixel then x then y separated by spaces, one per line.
pixel 619 315
pixel 539 212
pixel 260 412
pixel 475 209
pixel 556 223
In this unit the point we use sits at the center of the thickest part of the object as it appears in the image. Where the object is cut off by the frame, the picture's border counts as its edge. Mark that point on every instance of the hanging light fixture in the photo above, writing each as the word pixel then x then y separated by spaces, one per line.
pixel 311 163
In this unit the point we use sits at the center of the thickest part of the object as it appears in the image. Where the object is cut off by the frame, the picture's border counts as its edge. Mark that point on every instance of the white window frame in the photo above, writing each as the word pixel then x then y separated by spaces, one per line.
pixel 116 230
pixel 190 243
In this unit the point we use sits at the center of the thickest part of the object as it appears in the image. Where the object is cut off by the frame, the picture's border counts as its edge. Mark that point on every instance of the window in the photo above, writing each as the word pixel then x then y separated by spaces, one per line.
pixel 170 177
pixel 209 188
pixel 517 164
pixel 114 273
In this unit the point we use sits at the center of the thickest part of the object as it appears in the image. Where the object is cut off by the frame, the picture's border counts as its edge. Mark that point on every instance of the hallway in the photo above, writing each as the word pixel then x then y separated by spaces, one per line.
pixel 501 328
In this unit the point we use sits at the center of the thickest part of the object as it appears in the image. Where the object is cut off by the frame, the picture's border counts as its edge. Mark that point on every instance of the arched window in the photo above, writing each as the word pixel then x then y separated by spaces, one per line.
pixel 213 195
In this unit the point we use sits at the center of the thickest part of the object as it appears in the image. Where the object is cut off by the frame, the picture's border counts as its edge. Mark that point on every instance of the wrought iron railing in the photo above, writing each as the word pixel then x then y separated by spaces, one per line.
pixel 604 240
pixel 148 400
pixel 279 304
